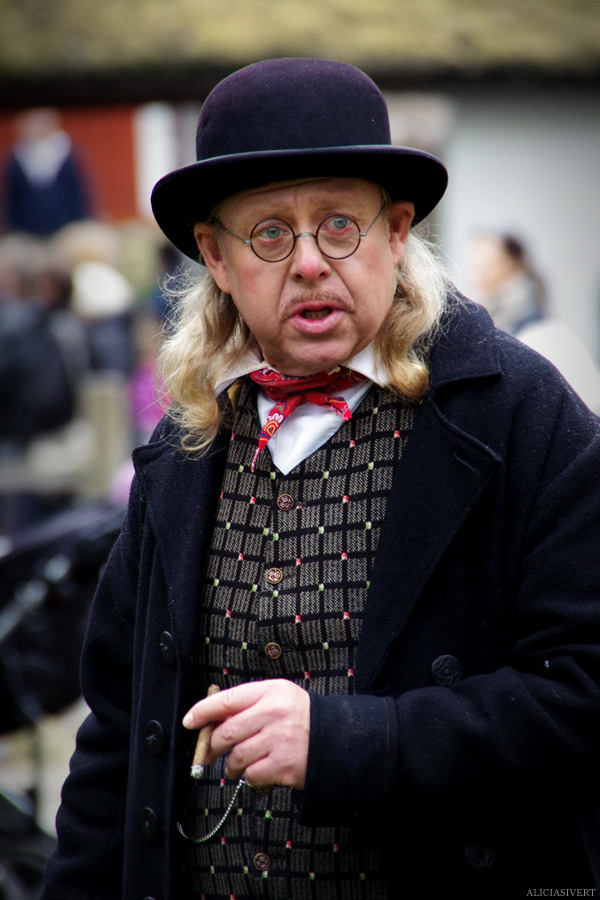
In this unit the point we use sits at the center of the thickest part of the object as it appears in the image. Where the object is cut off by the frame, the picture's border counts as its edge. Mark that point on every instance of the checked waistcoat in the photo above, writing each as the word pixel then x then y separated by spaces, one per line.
pixel 284 592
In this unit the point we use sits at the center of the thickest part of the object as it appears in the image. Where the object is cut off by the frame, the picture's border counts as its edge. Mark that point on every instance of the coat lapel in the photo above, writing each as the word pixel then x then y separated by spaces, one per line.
pixel 181 494
pixel 424 513
pixel 443 472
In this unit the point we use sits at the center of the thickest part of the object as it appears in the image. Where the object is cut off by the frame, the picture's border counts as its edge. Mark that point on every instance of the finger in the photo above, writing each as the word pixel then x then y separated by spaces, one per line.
pixel 263 766
pixel 247 754
pixel 223 704
pixel 270 757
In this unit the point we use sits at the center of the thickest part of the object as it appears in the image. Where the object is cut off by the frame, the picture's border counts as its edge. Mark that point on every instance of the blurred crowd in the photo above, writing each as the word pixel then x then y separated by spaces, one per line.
pixel 81 318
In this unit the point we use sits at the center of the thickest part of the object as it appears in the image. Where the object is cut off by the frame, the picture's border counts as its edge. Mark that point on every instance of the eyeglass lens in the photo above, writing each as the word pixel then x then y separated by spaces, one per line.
pixel 337 236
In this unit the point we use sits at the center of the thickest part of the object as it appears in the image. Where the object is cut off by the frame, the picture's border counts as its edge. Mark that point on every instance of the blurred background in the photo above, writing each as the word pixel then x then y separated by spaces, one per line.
pixel 99 99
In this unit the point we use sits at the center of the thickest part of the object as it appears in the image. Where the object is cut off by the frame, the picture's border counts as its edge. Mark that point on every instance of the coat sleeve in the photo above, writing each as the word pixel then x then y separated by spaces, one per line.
pixel 526 725
pixel 90 820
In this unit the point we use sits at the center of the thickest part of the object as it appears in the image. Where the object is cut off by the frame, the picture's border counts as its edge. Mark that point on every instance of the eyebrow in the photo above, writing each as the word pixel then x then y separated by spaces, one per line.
pixel 322 209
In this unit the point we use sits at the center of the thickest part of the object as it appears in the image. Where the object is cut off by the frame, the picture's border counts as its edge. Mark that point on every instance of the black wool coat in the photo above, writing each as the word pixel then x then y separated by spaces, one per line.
pixel 471 753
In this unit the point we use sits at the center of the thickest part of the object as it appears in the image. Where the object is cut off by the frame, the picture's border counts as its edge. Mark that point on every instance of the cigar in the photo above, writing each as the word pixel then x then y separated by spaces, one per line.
pixel 203 741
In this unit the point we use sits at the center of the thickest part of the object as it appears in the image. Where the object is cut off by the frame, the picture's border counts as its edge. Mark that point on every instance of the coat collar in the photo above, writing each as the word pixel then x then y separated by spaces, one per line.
pixel 466 346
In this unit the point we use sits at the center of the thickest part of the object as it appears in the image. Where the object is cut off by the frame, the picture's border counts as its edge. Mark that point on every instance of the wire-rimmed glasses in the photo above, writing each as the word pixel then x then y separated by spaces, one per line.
pixel 273 240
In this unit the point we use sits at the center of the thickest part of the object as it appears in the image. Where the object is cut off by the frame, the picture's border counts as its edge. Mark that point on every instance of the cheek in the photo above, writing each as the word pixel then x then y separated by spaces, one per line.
pixel 256 300
pixel 381 288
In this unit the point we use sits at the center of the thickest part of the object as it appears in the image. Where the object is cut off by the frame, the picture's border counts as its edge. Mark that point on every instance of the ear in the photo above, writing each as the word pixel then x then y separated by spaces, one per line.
pixel 400 216
pixel 212 254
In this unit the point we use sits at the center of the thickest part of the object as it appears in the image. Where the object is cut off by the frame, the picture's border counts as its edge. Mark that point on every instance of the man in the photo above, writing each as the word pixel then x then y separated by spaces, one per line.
pixel 370 520
pixel 45 185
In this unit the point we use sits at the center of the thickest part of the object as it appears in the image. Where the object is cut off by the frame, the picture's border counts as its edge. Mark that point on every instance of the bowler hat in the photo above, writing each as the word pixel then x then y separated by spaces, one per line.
pixel 284 119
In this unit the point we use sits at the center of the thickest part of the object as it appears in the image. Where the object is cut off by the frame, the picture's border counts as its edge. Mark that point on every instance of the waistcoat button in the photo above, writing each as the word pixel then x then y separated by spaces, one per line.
pixel 273 650
pixel 262 861
pixel 274 576
pixel 285 501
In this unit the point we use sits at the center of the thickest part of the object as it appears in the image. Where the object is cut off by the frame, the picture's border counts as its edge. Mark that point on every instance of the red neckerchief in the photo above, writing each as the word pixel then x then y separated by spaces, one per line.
pixel 291 391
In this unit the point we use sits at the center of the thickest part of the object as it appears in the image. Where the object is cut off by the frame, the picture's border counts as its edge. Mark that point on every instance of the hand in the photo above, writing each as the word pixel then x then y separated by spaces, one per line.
pixel 264 726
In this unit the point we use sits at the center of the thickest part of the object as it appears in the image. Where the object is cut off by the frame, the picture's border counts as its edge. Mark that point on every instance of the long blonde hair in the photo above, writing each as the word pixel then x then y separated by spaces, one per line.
pixel 207 336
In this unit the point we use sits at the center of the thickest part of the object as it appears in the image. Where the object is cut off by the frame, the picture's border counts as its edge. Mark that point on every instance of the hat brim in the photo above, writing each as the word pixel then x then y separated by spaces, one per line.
pixel 188 195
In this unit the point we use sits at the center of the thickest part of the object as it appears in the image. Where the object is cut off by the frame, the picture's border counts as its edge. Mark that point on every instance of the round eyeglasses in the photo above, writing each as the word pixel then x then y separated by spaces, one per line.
pixel 273 240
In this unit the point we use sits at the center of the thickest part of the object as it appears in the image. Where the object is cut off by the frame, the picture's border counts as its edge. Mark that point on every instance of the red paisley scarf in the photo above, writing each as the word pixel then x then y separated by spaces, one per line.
pixel 291 391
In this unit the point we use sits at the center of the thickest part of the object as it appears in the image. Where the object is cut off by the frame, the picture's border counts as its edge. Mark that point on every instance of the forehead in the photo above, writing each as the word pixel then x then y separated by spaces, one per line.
pixel 317 192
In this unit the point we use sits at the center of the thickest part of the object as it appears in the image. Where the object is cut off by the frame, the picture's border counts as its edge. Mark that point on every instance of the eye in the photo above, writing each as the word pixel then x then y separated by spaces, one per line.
pixel 271 230
pixel 338 223
pixel 338 228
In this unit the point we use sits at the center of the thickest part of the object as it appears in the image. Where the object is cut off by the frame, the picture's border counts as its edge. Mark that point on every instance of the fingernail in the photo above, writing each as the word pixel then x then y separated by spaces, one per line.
pixel 188 720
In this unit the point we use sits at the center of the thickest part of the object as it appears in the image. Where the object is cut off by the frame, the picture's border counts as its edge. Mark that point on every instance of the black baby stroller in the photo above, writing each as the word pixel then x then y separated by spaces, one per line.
pixel 47 581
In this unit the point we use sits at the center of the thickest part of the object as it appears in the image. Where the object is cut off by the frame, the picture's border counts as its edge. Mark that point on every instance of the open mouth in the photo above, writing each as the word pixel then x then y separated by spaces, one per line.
pixel 316 313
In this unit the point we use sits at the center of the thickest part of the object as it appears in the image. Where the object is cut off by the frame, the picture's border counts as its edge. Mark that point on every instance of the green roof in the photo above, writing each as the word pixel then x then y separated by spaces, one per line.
pixel 136 39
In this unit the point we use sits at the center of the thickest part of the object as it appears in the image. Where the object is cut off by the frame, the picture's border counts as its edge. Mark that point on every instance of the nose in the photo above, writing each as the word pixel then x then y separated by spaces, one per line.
pixel 308 263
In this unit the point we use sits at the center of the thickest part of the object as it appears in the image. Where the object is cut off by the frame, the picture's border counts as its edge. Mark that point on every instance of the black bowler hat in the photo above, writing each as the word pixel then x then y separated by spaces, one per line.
pixel 284 119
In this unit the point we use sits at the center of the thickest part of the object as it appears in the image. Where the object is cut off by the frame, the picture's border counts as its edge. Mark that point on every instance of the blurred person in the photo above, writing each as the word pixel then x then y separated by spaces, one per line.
pixel 103 299
pixel 19 253
pixel 88 241
pixel 144 390
pixel 37 394
pixel 44 185
pixel 369 518
pixel 52 294
pixel 504 281
pixel 559 343
pixel 509 287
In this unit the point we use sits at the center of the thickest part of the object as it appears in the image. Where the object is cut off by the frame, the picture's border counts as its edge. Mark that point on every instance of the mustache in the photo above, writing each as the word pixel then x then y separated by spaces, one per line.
pixel 317 298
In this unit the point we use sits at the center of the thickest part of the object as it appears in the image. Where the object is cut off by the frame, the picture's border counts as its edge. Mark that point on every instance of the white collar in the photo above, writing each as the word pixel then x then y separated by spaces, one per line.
pixel 309 426
pixel 363 362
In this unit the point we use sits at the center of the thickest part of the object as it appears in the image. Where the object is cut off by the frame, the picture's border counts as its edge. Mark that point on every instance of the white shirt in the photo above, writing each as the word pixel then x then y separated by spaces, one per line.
pixel 309 426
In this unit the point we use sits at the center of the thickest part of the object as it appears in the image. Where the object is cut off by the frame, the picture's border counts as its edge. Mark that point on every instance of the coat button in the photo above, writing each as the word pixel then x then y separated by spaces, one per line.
pixel 445 670
pixel 285 501
pixel 274 575
pixel 167 648
pixel 154 737
pixel 262 861
pixel 273 650
pixel 149 823
pixel 480 856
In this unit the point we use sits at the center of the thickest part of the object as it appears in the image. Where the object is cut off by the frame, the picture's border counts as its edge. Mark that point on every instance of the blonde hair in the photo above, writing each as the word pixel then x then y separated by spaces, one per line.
pixel 207 336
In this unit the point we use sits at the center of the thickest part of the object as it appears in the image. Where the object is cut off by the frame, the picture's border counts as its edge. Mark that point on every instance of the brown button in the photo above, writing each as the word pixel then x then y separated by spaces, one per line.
pixel 285 501
pixel 262 861
pixel 273 650
pixel 274 576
